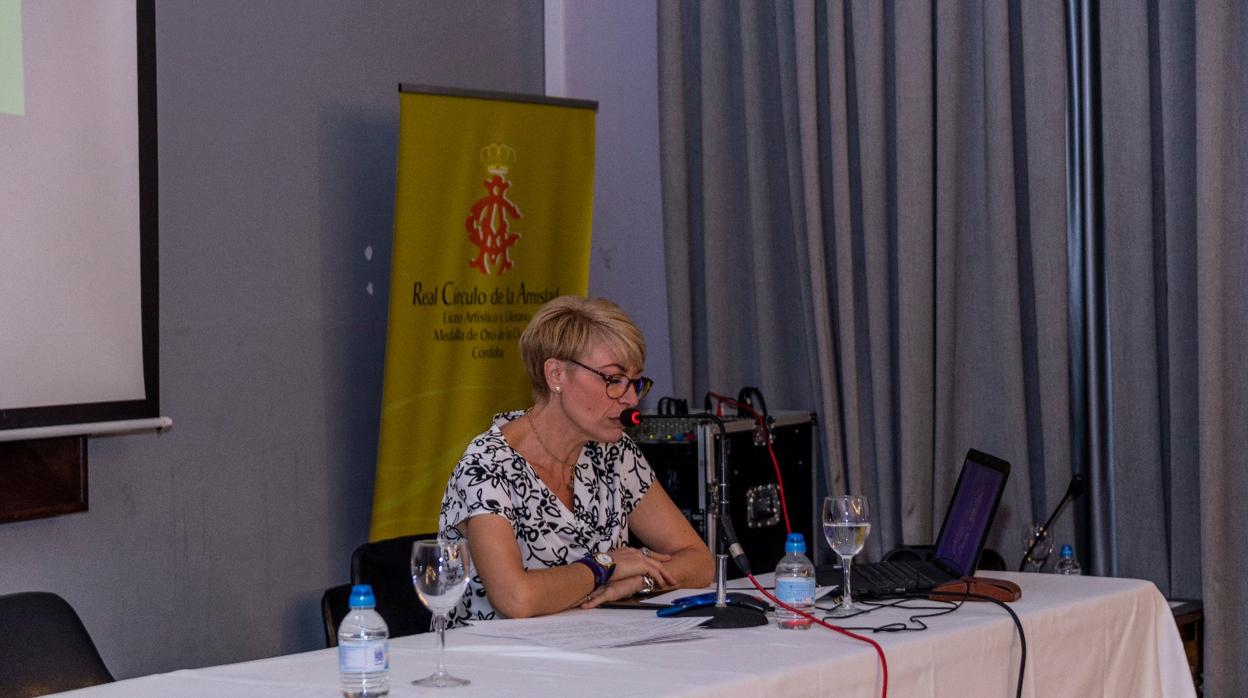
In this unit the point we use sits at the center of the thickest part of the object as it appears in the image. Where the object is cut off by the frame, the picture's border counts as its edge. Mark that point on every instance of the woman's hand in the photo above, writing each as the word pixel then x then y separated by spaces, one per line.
pixel 632 566
pixel 615 590
pixel 658 523
pixel 633 563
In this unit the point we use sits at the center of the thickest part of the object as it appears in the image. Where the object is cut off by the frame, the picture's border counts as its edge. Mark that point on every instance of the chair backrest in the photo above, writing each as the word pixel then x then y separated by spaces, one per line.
pixel 44 647
pixel 387 566
pixel 334 604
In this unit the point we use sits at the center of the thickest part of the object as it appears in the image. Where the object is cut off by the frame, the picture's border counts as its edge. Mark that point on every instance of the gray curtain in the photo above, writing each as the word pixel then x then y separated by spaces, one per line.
pixel 1147 89
pixel 1221 211
pixel 864 209
pixel 867 213
pixel 1173 90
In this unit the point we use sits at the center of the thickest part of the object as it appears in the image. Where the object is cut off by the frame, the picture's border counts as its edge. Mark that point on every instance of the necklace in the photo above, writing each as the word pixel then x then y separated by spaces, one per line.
pixel 564 486
pixel 558 461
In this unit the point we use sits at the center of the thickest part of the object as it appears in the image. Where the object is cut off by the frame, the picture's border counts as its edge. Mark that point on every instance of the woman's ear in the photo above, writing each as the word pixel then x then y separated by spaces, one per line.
pixel 556 374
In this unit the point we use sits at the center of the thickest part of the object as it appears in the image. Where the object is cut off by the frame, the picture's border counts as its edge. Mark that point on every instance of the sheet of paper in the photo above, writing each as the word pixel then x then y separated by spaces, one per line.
pixel 734 585
pixel 577 632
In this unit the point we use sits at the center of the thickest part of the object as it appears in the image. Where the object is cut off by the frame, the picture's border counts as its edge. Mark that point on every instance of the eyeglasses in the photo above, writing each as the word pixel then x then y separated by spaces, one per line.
pixel 618 383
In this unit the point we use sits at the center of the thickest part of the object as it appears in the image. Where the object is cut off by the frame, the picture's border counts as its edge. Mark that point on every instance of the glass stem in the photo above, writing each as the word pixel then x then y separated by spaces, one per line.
pixel 439 622
pixel 846 599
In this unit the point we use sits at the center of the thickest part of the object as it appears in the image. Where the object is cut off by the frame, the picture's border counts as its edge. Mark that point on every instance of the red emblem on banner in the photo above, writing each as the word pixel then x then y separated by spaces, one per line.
pixel 488 223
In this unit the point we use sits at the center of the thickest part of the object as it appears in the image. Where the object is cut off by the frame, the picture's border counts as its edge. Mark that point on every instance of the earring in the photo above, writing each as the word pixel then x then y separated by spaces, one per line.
pixel 558 389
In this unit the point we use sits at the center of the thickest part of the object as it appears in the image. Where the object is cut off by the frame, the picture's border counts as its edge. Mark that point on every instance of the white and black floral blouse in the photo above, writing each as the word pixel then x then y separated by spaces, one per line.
pixel 491 478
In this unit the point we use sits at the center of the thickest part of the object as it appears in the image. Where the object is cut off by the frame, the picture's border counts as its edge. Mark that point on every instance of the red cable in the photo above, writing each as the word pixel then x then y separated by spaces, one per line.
pixel 775 462
pixel 878 650
pixel 723 399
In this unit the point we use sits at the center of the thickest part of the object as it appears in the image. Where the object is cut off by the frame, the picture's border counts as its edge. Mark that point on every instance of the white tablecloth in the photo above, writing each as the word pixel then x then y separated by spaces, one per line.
pixel 1086 636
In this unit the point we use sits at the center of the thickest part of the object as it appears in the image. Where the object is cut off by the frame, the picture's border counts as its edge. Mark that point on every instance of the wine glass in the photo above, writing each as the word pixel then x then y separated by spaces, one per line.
pixel 440 571
pixel 1040 554
pixel 846 523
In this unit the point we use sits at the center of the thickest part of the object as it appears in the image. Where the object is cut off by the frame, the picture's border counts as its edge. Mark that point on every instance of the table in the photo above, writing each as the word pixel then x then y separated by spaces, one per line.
pixel 1086 636
pixel 1189 615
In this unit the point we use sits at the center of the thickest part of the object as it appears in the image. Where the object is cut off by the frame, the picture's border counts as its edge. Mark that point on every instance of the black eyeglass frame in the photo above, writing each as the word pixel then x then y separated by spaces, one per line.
pixel 641 386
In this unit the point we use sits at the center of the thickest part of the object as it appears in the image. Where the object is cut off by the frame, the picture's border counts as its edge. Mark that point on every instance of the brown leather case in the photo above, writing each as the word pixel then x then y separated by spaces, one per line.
pixel 957 590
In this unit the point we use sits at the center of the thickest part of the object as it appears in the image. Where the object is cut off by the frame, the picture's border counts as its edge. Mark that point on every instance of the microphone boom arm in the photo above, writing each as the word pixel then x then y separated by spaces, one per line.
pixel 1072 491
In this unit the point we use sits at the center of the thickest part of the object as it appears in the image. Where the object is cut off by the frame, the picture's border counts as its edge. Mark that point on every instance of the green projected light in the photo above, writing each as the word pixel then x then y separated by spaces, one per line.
pixel 12 92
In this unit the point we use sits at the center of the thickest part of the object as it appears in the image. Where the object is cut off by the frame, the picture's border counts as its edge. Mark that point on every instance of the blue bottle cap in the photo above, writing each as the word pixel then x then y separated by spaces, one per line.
pixel 795 543
pixel 362 596
pixel 1068 550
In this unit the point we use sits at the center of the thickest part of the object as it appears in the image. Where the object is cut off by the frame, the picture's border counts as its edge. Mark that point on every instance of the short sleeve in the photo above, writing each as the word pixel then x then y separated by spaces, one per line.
pixel 478 485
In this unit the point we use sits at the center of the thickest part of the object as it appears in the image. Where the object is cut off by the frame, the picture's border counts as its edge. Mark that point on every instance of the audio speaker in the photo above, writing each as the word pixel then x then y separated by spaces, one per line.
pixel 684 454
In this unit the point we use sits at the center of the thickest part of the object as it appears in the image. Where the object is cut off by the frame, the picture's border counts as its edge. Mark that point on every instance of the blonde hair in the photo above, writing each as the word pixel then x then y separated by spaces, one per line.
pixel 566 326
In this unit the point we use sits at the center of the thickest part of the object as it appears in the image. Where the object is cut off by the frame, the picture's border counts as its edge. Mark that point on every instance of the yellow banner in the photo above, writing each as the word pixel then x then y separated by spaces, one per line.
pixel 493 210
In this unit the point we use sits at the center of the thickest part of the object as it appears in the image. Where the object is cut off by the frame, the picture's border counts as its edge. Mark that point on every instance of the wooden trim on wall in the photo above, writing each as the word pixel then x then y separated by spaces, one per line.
pixel 42 478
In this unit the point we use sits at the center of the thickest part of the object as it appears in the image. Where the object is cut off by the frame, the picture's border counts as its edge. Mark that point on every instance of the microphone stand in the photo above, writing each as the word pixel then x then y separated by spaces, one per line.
pixel 724 610
pixel 1073 490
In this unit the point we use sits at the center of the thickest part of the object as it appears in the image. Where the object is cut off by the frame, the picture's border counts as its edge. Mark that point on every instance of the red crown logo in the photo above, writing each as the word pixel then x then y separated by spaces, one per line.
pixel 489 221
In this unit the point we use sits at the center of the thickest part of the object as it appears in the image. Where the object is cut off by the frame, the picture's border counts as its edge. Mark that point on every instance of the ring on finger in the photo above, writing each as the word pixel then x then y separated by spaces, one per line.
pixel 645 551
pixel 647 585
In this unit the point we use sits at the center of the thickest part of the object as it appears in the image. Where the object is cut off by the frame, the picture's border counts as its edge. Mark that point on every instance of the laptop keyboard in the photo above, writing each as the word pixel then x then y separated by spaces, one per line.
pixel 896 576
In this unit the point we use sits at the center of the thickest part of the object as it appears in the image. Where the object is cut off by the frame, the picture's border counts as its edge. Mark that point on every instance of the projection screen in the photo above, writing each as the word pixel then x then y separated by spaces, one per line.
pixel 78 284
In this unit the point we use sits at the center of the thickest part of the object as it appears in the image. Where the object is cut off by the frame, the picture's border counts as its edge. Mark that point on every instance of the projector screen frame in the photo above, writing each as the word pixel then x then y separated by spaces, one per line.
pixel 88 414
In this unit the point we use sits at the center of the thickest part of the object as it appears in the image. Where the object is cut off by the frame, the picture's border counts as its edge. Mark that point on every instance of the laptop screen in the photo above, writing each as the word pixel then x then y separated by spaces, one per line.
pixel 970 513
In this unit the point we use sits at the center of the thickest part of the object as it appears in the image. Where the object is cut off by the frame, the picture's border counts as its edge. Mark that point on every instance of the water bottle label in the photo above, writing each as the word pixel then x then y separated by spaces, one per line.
pixel 363 655
pixel 796 591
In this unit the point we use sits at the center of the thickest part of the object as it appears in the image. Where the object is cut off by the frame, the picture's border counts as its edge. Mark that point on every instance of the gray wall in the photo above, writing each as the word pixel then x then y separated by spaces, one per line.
pixel 611 55
pixel 213 542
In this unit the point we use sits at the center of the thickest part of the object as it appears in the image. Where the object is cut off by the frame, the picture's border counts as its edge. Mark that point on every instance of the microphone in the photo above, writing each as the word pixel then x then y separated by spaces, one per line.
pixel 631 417
pixel 1076 487
pixel 1073 490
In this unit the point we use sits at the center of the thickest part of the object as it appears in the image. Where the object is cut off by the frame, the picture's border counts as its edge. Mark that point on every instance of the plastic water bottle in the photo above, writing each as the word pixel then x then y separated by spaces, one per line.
pixel 795 584
pixel 1067 564
pixel 363 647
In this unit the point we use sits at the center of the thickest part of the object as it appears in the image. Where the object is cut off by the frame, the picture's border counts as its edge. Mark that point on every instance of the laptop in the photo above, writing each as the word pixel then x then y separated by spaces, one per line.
pixel 961 540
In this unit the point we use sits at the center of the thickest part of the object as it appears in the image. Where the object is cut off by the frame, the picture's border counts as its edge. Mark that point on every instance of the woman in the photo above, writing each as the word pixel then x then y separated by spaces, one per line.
pixel 547 497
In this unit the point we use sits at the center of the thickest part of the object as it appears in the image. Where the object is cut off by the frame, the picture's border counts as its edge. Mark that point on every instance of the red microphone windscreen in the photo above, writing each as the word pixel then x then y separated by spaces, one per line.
pixel 630 417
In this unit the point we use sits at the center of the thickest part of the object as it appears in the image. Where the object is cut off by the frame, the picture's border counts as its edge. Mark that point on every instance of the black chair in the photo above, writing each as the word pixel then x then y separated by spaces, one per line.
pixel 44 647
pixel 386 565
pixel 334 604
pixel 989 559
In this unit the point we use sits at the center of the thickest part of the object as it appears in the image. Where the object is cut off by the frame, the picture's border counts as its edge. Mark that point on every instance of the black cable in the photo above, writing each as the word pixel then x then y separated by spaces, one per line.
pixel 672 407
pixel 1018 625
pixel 896 601
pixel 747 396
pixel 917 619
